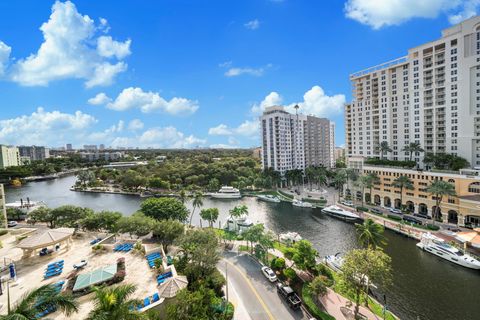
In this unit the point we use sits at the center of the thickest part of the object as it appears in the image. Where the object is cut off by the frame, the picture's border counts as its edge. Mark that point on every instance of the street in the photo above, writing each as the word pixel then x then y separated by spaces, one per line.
pixel 258 295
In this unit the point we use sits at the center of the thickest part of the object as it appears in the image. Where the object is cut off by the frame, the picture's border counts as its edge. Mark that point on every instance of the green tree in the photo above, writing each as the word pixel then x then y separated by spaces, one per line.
pixel 210 214
pixel 290 274
pixel 339 180
pixel 439 189
pixel 101 221
pixel 372 180
pixel 403 182
pixel 363 266
pixel 167 231
pixel 182 196
pixel 200 247
pixel 132 179
pixel 39 300
pixel 384 148
pixel 411 148
pixel 318 287
pixel 41 214
pixel 196 203
pixel 253 234
pixel 303 255
pixel 114 303
pixel 370 234
pixel 68 216
pixel 196 305
pixel 213 184
pixel 239 211
pixel 362 183
pixel 164 208
pixel 137 224
pixel 85 177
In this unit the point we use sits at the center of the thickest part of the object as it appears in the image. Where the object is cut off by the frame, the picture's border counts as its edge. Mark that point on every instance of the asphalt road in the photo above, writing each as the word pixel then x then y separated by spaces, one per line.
pixel 258 295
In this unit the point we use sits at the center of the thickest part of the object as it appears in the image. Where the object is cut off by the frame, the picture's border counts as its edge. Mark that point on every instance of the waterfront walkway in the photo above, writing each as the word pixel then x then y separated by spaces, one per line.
pixel 333 303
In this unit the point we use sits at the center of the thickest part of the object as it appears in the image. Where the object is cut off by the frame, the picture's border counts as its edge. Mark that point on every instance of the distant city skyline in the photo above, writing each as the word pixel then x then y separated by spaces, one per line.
pixel 134 74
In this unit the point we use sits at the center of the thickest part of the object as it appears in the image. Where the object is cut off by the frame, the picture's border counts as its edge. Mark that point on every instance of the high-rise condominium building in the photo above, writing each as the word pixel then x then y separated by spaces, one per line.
pixel 69 147
pixel 9 156
pixel 34 152
pixel 295 141
pixel 431 96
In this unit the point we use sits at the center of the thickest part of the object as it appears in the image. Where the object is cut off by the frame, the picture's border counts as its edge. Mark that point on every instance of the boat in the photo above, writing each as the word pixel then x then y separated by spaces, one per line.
pixel 25 206
pixel 227 192
pixel 337 212
pixel 290 237
pixel 301 204
pixel 437 246
pixel 268 198
pixel 334 261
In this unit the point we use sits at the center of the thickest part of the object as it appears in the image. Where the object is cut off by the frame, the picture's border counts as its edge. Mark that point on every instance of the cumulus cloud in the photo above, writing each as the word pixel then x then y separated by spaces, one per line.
pixel 72 49
pixel 166 137
pixel 44 127
pixel 235 72
pixel 220 130
pixel 378 14
pixel 148 101
pixel 272 99
pixel 317 103
pixel 108 134
pixel 135 124
pixel 99 99
pixel 253 24
pixel 4 56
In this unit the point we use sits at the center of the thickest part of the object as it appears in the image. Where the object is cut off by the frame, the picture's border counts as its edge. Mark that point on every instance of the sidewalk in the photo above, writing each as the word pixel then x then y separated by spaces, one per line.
pixel 333 303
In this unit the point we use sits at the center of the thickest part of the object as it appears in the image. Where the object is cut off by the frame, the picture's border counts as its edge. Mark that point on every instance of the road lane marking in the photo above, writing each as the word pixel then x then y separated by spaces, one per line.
pixel 264 306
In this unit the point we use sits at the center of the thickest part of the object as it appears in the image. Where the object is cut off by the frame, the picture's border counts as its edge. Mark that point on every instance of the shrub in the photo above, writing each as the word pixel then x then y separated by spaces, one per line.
pixel 98 249
pixel 119 276
pixel 432 227
pixel 324 271
pixel 3 232
pixel 359 208
pixel 290 273
pixel 278 263
pixel 393 217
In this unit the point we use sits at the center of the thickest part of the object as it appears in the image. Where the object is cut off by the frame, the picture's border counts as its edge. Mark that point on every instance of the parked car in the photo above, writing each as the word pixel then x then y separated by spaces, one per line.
pixel 376 211
pixel 411 219
pixel 347 203
pixel 12 224
pixel 424 216
pixel 269 274
pixel 394 210
pixel 289 296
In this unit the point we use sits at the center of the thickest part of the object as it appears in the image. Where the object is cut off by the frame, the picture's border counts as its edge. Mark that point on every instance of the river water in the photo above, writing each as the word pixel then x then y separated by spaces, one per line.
pixel 425 287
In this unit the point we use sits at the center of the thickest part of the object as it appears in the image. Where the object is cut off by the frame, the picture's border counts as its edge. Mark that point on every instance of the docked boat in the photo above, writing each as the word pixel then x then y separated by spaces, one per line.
pixel 301 204
pixel 438 247
pixel 337 212
pixel 268 198
pixel 227 192
pixel 25 206
pixel 290 237
pixel 334 261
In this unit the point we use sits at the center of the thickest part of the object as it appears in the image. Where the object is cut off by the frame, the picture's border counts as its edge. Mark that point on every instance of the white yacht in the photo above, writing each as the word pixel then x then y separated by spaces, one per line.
pixel 25 206
pixel 301 204
pixel 334 261
pixel 290 237
pixel 337 212
pixel 438 247
pixel 227 193
pixel 268 198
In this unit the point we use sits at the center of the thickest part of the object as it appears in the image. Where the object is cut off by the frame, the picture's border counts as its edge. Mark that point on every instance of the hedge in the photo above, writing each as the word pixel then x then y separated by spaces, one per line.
pixel 393 217
pixel 3 232
pixel 362 209
pixel 312 307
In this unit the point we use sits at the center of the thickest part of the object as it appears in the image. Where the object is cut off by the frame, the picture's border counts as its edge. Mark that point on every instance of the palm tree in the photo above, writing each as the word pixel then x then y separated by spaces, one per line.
pixel 372 179
pixel 211 215
pixel 321 176
pixel 384 148
pixel 310 174
pixel 196 203
pixel 362 183
pixel 403 182
pixel 370 234
pixel 239 211
pixel 182 196
pixel 339 180
pixel 111 303
pixel 411 148
pixel 438 189
pixel 39 300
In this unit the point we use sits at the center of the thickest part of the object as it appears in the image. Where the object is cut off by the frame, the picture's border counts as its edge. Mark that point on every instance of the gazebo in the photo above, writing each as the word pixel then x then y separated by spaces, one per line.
pixel 44 239
pixel 171 286
pixel 95 277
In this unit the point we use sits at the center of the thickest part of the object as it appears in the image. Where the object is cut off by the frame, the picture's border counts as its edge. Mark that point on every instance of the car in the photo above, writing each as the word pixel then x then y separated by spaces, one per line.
pixel 394 210
pixel 269 274
pixel 12 224
pixel 347 203
pixel 376 211
pixel 423 216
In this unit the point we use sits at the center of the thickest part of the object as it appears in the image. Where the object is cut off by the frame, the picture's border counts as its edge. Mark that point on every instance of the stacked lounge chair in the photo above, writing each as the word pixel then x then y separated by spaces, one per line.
pixel 152 257
pixel 95 241
pixel 57 287
pixel 161 278
pixel 125 247
pixel 53 269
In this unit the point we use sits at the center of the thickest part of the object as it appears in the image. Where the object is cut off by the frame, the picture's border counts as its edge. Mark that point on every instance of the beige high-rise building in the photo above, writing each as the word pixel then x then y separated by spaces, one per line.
pixel 295 141
pixel 9 156
pixel 430 96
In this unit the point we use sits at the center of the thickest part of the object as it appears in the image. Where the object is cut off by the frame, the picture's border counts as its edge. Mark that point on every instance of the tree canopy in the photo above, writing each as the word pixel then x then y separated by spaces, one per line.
pixel 164 208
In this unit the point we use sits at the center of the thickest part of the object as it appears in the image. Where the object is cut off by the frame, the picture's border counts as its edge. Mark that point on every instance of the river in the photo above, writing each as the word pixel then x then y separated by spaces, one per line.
pixel 424 287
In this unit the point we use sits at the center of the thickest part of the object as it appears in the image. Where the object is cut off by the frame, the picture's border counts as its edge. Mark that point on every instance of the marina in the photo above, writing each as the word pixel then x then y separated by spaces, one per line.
pixel 415 293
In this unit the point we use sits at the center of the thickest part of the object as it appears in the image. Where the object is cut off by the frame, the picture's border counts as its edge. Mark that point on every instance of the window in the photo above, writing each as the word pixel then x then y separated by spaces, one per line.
pixel 474 187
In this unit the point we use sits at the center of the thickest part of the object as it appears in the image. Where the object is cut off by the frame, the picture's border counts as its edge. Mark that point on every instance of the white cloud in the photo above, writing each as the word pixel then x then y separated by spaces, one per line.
pixel 469 9
pixel 167 137
pixel 107 47
pixel 248 128
pixel 131 98
pixel 272 99
pixel 253 24
pixel 220 130
pixel 234 72
pixel 44 128
pixel 382 13
pixel 317 103
pixel 222 146
pixel 100 99
pixel 108 134
pixel 4 56
pixel 71 49
pixel 135 124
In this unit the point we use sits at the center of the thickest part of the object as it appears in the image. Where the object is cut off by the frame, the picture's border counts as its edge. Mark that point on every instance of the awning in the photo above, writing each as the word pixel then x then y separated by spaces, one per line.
pixel 171 286
pixel 46 238
pixel 97 276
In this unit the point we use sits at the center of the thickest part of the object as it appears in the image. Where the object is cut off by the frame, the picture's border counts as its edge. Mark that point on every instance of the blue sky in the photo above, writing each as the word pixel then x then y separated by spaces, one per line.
pixel 190 73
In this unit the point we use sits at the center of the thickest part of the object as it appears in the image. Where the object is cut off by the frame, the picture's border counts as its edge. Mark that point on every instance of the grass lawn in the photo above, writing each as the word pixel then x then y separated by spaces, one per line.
pixel 280 246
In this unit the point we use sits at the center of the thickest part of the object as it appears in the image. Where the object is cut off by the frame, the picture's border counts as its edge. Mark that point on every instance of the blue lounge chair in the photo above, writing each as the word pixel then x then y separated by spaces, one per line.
pixel 146 301
pixel 155 297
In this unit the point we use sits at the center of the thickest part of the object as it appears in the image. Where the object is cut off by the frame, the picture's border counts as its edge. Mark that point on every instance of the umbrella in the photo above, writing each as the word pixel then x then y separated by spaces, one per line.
pixel 171 286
